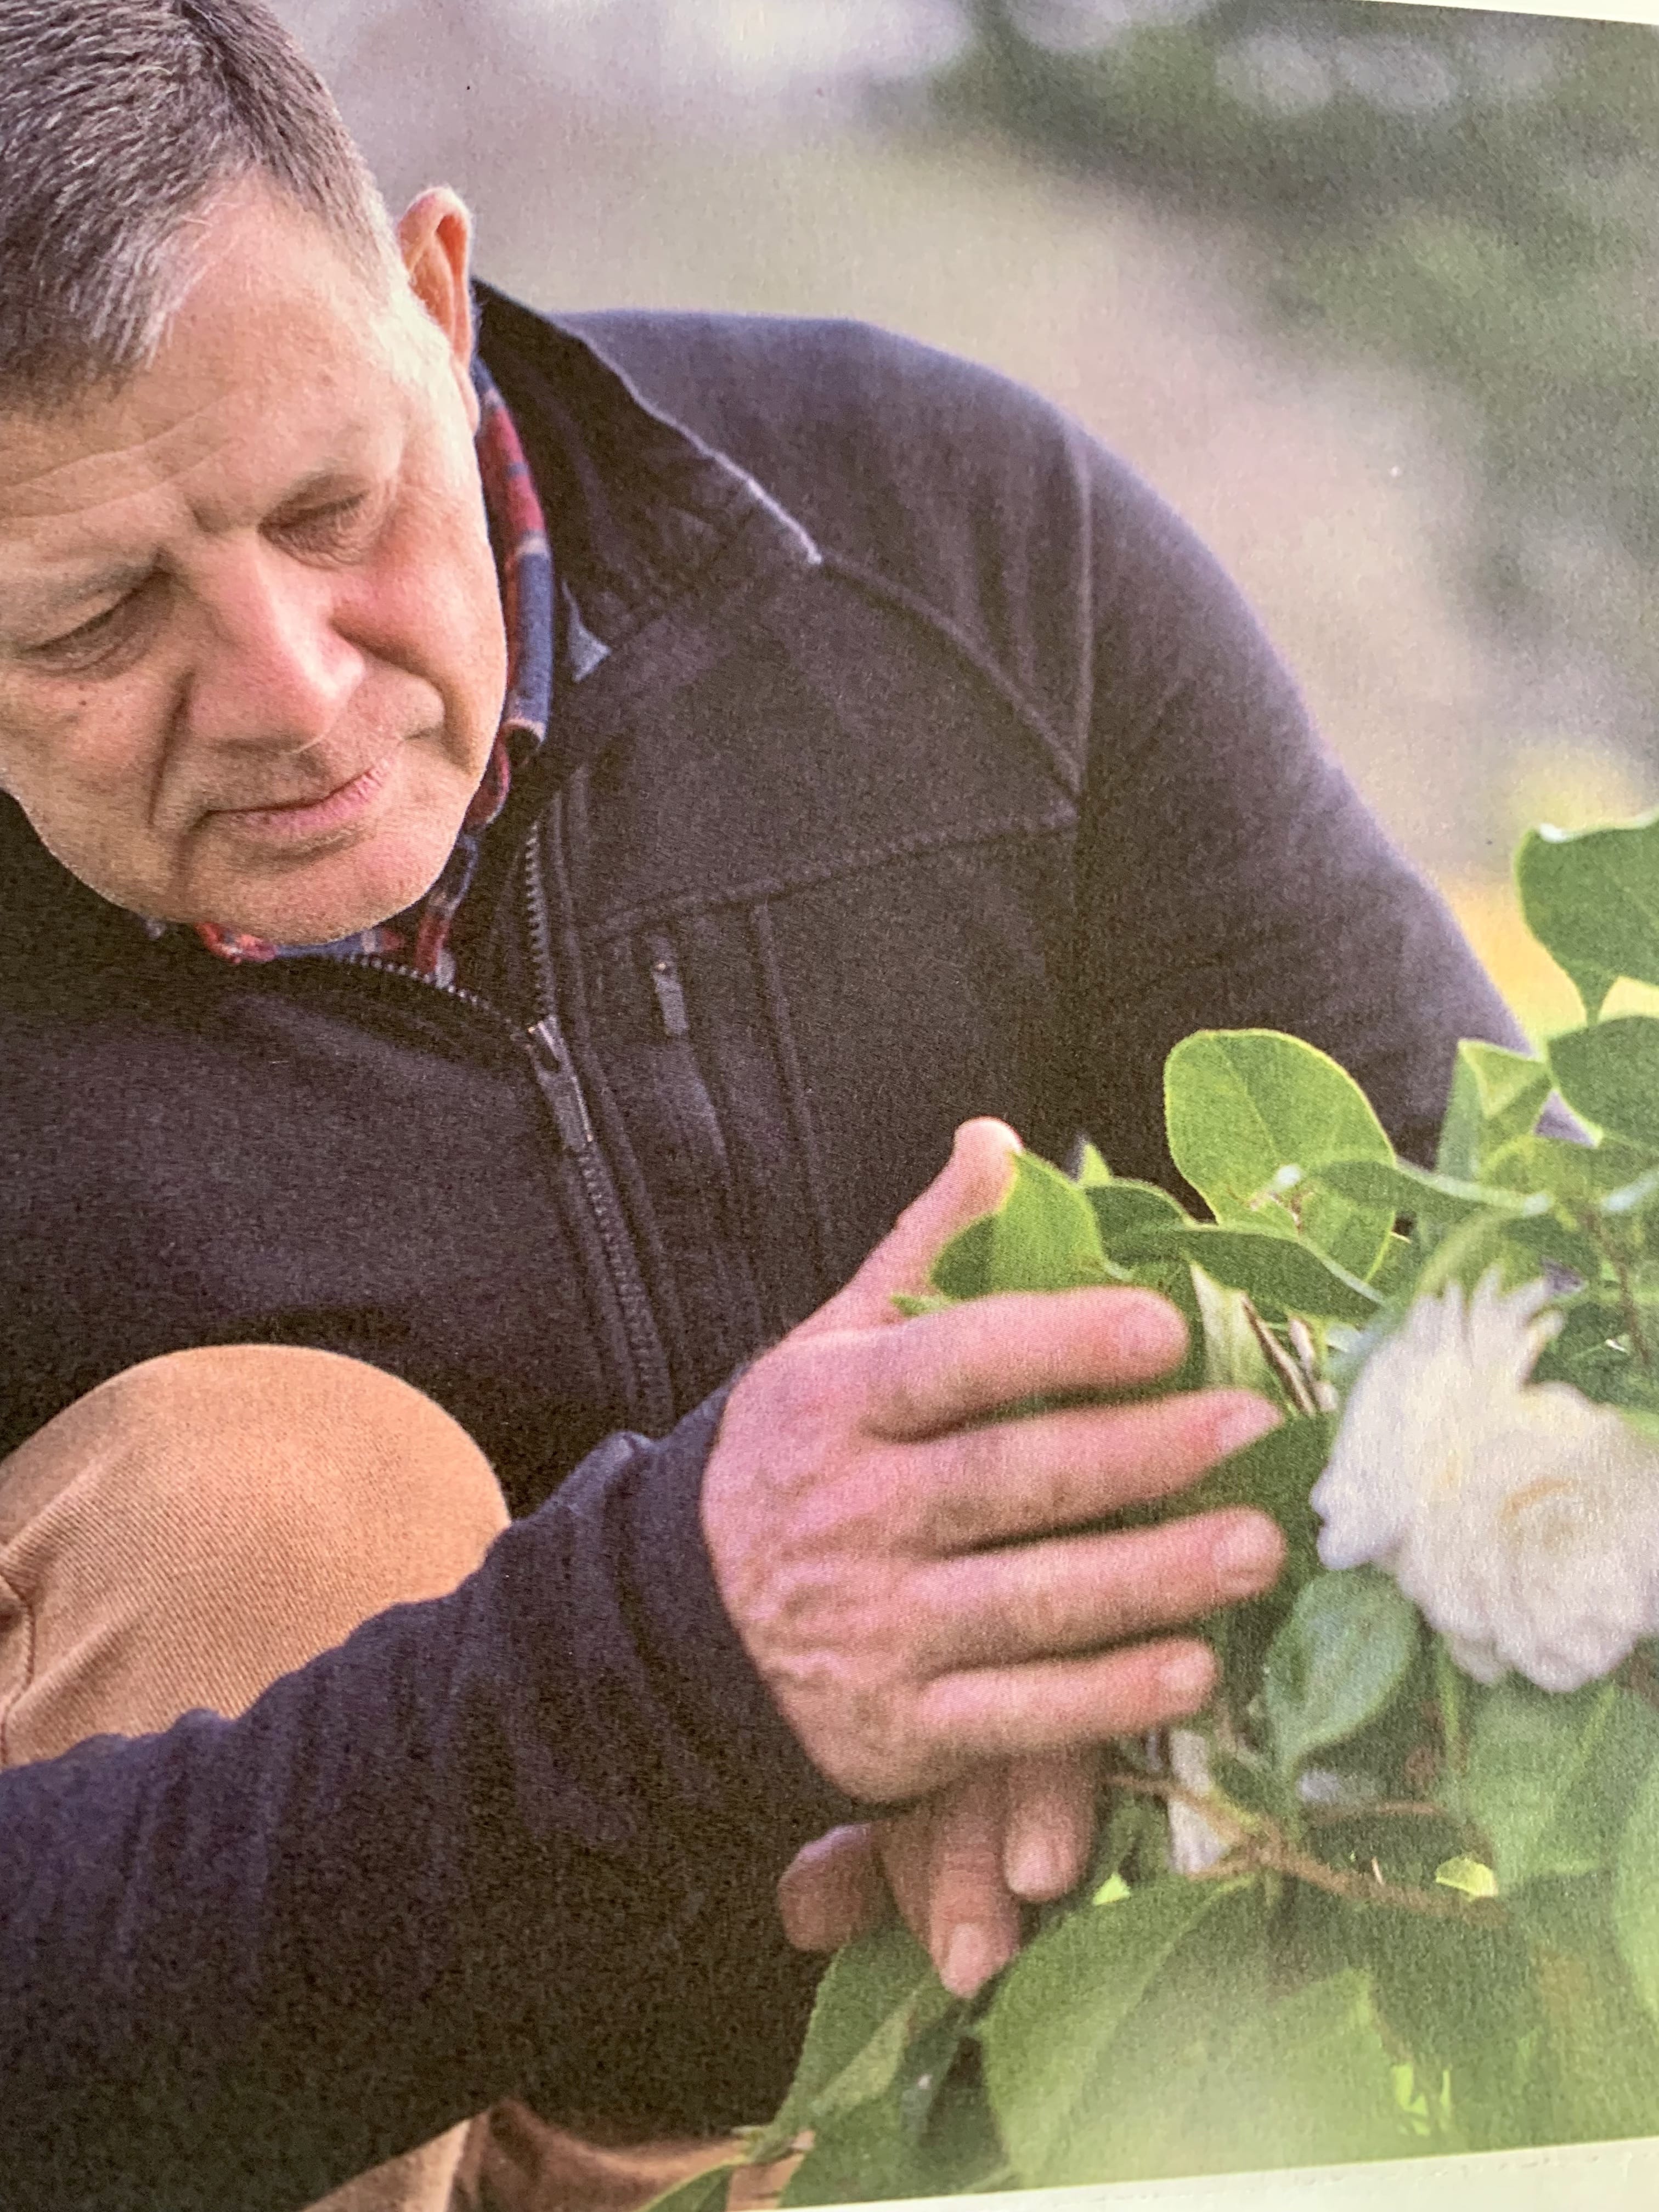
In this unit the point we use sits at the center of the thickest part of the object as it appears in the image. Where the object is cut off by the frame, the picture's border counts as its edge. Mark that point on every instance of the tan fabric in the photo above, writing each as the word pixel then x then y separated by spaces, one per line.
pixel 206 1522
pixel 197 1527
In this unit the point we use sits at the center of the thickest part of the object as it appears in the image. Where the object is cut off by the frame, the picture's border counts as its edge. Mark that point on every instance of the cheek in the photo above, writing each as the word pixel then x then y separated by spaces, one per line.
pixel 435 613
pixel 84 771
pixel 52 752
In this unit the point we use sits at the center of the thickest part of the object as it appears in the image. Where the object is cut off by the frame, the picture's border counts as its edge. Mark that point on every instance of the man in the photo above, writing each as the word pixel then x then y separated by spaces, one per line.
pixel 514 867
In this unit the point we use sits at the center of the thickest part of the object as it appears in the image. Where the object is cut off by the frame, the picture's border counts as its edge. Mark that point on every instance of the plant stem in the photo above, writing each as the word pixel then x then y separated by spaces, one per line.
pixel 1448 1690
pixel 1258 1846
pixel 1387 1808
pixel 1295 1382
pixel 1639 1343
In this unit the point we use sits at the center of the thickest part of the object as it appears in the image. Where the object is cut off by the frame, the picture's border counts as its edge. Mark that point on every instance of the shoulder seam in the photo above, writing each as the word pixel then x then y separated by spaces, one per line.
pixel 1057 756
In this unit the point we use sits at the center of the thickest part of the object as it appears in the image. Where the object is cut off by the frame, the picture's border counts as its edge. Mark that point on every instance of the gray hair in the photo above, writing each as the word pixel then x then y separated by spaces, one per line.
pixel 120 121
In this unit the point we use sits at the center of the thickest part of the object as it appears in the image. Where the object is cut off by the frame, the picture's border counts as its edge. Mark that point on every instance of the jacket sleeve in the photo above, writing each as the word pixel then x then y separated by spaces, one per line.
pixel 1229 876
pixel 514 1839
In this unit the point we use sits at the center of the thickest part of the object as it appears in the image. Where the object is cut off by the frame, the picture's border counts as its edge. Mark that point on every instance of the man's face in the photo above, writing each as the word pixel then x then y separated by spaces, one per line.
pixel 251 659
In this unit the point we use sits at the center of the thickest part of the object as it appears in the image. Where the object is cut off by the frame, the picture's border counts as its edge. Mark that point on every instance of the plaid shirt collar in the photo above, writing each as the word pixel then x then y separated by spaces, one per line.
pixel 419 937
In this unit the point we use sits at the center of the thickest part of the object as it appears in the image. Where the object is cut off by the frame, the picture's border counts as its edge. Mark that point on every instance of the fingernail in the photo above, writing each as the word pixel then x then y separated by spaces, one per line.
pixel 971 1957
pixel 1151 1328
pixel 1186 1679
pixel 1246 1557
pixel 1244 1423
pixel 1034 1868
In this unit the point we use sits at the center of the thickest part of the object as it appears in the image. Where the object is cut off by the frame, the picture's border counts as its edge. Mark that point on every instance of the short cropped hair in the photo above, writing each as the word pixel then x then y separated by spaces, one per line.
pixel 120 121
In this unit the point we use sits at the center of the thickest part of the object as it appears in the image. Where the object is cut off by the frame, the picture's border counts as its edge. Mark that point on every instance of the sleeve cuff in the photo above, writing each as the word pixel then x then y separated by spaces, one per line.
pixel 685 1637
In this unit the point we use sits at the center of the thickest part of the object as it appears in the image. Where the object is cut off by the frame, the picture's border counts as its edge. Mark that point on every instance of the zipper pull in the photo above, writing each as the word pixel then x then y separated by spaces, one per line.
pixel 671 992
pixel 560 1087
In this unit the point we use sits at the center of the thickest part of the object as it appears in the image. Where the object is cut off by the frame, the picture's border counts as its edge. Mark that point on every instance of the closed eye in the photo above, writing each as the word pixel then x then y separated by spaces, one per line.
pixel 334 527
pixel 77 650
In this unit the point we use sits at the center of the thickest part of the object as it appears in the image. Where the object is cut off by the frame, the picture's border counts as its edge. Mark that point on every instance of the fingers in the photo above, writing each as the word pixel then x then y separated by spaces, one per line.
pixel 999 1608
pixel 945 1865
pixel 956 1868
pixel 833 1890
pixel 974 1182
pixel 943 1368
pixel 1048 1822
pixel 1060 1704
pixel 1057 1471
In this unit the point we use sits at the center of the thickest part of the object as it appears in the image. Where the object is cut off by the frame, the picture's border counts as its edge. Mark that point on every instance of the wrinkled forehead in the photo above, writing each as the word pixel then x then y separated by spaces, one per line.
pixel 275 345
pixel 272 385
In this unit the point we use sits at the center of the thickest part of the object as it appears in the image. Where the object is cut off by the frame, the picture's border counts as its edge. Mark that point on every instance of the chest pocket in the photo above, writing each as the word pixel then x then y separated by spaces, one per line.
pixel 696 1217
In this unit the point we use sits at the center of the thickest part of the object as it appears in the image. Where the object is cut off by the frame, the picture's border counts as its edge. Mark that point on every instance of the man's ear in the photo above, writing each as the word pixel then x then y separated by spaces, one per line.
pixel 436 239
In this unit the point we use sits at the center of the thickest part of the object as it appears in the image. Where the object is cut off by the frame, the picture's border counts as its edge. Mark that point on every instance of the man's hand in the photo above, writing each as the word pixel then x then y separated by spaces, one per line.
pixel 958 1867
pixel 907 1575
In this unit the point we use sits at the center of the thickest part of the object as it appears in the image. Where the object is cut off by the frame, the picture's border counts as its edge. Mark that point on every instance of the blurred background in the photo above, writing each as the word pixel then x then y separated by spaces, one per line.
pixel 1371 294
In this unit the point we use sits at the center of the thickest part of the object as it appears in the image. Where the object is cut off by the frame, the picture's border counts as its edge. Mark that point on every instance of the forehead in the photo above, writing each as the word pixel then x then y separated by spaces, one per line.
pixel 279 360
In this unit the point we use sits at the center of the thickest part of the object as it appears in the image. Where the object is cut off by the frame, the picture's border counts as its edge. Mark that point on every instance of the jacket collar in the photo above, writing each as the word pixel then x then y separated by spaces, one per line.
pixel 644 516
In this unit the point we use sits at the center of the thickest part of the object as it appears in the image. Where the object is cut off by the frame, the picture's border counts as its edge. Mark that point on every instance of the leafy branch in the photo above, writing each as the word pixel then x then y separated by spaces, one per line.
pixel 1259 1845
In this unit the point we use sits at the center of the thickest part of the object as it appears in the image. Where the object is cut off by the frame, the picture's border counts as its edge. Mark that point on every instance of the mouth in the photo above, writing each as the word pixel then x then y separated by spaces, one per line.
pixel 299 822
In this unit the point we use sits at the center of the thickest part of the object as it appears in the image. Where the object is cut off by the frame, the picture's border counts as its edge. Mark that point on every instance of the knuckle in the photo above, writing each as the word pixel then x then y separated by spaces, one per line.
pixel 1043 1614
pixel 970 1472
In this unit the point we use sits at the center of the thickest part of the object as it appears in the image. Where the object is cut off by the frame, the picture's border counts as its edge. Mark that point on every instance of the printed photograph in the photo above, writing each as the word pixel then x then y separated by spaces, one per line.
pixel 828 1101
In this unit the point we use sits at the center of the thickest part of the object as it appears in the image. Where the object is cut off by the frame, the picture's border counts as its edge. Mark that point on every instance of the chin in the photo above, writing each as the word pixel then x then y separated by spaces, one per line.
pixel 344 899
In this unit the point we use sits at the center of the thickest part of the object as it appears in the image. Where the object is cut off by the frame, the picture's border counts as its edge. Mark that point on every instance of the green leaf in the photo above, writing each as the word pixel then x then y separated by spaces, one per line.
pixel 1068 2029
pixel 1396 1271
pixel 1598 2072
pixel 1610 1074
pixel 702 2192
pixel 1471 1877
pixel 929 2131
pixel 1549 1776
pixel 1517 1245
pixel 1338 1661
pixel 1424 1197
pixel 962 1269
pixel 877 1997
pixel 1042 1237
pixel 1495 1095
pixel 1233 1356
pixel 1636 1893
pixel 1592 901
pixel 1091 1172
pixel 1309 2082
pixel 1244 1105
pixel 1276 1276
pixel 1129 1209
pixel 1573 1175
pixel 1457 1994
pixel 923 2137
pixel 1144 2042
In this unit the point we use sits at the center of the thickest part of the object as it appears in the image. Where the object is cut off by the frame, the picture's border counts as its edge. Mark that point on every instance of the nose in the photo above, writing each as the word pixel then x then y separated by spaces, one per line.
pixel 273 672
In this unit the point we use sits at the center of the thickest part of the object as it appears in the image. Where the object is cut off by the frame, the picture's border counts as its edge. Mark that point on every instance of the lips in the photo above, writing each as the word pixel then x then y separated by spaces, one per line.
pixel 295 821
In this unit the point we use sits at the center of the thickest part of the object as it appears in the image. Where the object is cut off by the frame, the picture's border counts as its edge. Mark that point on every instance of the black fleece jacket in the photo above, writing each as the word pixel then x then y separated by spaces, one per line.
pixel 921 765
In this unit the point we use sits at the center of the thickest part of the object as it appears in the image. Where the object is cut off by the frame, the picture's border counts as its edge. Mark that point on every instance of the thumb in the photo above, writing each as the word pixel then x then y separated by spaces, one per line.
pixel 973 1182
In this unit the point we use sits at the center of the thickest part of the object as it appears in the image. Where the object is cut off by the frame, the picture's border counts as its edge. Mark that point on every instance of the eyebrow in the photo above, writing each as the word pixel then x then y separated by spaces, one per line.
pixel 47 601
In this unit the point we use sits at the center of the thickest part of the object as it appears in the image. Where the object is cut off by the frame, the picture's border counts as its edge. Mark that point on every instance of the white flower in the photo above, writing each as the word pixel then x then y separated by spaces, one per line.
pixel 1520 1519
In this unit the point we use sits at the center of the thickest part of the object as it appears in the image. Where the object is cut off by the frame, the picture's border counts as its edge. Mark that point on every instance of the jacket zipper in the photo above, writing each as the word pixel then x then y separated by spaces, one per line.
pixel 544 1045
pixel 556 1072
